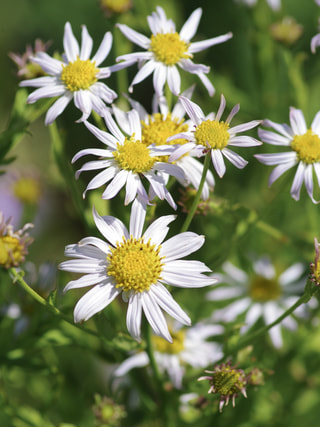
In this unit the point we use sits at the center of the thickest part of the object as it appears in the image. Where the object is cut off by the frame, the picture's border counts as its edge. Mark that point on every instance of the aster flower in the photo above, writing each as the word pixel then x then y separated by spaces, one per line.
pixel 264 294
pixel 228 381
pixel 13 244
pixel 166 49
pixel 274 4
pixel 304 146
pixel 75 77
pixel 126 159
pixel 160 125
pixel 189 347
pixel 138 266
pixel 211 134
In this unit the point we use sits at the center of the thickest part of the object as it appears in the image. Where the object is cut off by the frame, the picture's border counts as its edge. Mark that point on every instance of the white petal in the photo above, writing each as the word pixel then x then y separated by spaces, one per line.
pixel 46 92
pixel 94 301
pixel 136 361
pixel 134 316
pixel 297 181
pixel 50 65
pixel 159 78
pixel 103 136
pixel 143 73
pixel 118 182
pixel 193 110
pixel 103 91
pixel 181 280
pixel 218 162
pixel 165 300
pixel 39 82
pixel 292 274
pixel 224 293
pixel 297 121
pixel 137 218
pixel 155 316
pixel 173 79
pixel 134 36
pixel 204 44
pixel 57 108
pixel 70 44
pixel 103 50
pixel 100 179
pixel 86 44
pixel 158 229
pixel 86 280
pixel 279 170
pixel 234 158
pixel 190 27
pixel 111 228
pixel 181 245
pixel 113 127
pixel 315 126
pixel 82 100
pixel 273 138
pixel 252 316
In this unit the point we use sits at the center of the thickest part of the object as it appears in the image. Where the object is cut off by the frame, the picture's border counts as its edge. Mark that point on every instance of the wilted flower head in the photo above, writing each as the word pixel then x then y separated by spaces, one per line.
pixel 315 267
pixel 13 244
pixel 26 68
pixel 227 381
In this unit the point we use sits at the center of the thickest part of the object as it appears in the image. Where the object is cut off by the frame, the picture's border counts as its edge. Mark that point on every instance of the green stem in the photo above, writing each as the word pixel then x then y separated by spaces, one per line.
pixel 17 278
pixel 150 352
pixel 308 294
pixel 196 200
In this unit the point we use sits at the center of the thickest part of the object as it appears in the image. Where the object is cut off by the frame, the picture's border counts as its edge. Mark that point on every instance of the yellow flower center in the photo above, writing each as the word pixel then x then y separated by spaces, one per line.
pixel 11 251
pixel 159 129
pixel 27 190
pixel 228 381
pixel 212 134
pixel 263 290
pixel 79 74
pixel 134 156
pixel 307 147
pixel 163 346
pixel 169 48
pixel 135 265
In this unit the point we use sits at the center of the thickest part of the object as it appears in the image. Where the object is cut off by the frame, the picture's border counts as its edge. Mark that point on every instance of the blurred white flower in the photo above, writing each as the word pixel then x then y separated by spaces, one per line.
pixel 261 295
pixel 189 347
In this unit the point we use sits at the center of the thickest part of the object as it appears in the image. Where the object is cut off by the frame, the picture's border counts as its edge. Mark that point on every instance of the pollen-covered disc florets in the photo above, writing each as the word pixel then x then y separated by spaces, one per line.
pixel 79 74
pixel 135 265
pixel 13 244
pixel 227 381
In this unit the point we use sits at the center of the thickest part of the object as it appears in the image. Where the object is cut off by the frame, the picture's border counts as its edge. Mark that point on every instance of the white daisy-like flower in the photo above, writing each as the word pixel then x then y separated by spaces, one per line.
pixel 166 49
pixel 160 125
pixel 189 347
pixel 126 160
pixel 211 134
pixel 264 294
pixel 75 77
pixel 304 145
pixel 137 265
pixel 274 4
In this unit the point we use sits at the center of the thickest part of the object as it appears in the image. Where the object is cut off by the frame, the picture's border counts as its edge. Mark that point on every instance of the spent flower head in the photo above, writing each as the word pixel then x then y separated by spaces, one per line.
pixel 75 77
pixel 111 7
pixel 189 347
pixel 136 265
pixel 26 68
pixel 166 50
pixel 227 381
pixel 210 134
pixel 13 244
pixel 303 151
pixel 126 160
pixel 315 267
